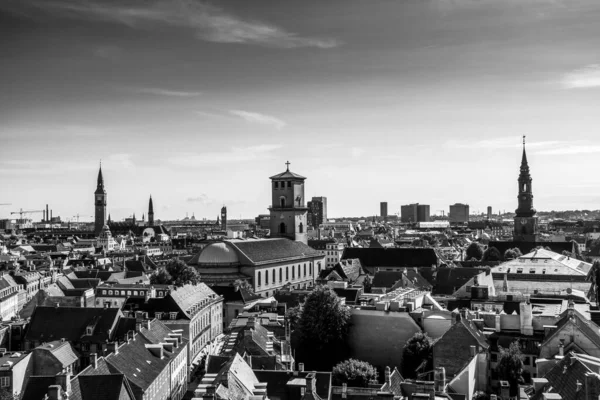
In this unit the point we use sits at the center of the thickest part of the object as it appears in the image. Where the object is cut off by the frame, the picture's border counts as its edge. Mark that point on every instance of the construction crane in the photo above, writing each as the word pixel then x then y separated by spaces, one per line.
pixel 77 216
pixel 21 212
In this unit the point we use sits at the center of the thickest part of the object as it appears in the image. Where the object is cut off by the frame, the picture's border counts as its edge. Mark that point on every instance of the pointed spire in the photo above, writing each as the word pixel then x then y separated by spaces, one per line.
pixel 100 177
pixel 150 206
pixel 524 164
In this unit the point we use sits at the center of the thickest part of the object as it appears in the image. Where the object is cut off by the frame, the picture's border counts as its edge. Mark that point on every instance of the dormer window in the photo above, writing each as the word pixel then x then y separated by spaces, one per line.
pixel 89 330
pixel 173 315
pixel 158 314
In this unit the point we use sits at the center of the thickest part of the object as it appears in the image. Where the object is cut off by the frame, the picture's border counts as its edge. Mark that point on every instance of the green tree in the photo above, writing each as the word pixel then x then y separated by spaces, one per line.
pixel 243 284
pixel 323 327
pixel 510 366
pixel 293 316
pixel 474 251
pixel 6 394
pixel 513 253
pixel 417 351
pixel 491 254
pixel 354 373
pixel 176 273
pixel 367 284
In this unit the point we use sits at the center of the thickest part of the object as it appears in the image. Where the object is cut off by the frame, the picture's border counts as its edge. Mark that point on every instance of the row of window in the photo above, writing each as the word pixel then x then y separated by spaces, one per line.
pixel 160 314
pixel 115 292
pixel 273 274
pixel 277 184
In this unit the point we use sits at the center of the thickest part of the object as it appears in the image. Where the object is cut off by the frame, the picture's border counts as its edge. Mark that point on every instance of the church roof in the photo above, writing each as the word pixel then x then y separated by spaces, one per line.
pixel 287 174
pixel 216 253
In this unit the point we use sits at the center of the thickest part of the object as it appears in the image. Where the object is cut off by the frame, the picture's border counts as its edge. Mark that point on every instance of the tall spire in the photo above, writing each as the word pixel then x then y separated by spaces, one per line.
pixel 150 206
pixel 100 185
pixel 524 165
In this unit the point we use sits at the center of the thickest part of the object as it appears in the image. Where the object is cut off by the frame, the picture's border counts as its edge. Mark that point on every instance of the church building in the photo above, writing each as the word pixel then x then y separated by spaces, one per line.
pixel 288 210
pixel 526 223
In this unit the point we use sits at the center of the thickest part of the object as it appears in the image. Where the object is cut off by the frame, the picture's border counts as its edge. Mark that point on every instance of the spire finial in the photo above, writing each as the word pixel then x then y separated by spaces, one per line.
pixel 287 163
pixel 524 141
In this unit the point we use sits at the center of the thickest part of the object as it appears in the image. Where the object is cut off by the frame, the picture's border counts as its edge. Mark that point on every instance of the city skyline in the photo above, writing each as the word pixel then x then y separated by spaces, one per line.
pixel 197 104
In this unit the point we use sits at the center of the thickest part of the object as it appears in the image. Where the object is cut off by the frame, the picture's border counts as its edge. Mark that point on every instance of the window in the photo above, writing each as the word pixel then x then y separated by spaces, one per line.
pixel 266 277
pixel 287 273
pixel 129 293
pixel 135 292
pixel 310 269
pixel 282 227
pixel 173 315
pixel 289 183
pixel 304 269
pixel 280 275
pixel 275 184
pixel 258 279
pixel 158 314
pixel 273 276
pixel 300 228
pixel 5 381
pixel 282 201
pixel 110 292
pixel 293 272
pixel 298 270
pixel 104 292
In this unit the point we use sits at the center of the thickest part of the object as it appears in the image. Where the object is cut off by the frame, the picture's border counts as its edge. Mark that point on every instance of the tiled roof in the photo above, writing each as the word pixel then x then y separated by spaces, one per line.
pixel 527 247
pixel 37 387
pixel 101 387
pixel 386 279
pixel 262 251
pixel 565 375
pixel 188 295
pixel 395 385
pixel 320 244
pixel 277 383
pixel 230 294
pixel 62 351
pixel 287 174
pixel 392 257
pixel 448 280
pixel 70 323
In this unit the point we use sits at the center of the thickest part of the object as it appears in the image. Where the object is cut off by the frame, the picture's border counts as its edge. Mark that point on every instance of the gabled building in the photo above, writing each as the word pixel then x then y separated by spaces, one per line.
pixel 390 259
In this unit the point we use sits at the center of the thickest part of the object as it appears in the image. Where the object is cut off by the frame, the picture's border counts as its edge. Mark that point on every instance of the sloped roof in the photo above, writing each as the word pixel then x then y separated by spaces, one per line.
pixel 287 174
pixel 101 387
pixel 565 375
pixel 230 293
pixel 64 353
pixel 277 382
pixel 527 247
pixel 187 296
pixel 52 323
pixel 263 251
pixel 37 386
pixel 393 257
pixel 448 280
pixel 395 385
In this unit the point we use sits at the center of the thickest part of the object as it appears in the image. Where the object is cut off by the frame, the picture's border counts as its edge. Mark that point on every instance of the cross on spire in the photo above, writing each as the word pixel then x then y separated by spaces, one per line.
pixel 287 163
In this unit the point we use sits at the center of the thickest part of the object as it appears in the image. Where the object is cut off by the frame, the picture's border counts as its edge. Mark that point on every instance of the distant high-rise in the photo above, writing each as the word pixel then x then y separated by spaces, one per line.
pixel 415 213
pixel 317 211
pixel 489 212
pixel 459 213
pixel 100 204
pixel 150 212
pixel 383 210
pixel 224 218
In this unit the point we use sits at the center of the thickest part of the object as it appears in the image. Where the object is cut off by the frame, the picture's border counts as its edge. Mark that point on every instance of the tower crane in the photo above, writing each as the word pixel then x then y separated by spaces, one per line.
pixel 21 212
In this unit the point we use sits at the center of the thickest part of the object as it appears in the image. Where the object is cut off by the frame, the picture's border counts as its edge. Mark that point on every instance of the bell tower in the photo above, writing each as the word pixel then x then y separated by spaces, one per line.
pixel 100 204
pixel 525 219
pixel 223 218
pixel 150 213
pixel 288 210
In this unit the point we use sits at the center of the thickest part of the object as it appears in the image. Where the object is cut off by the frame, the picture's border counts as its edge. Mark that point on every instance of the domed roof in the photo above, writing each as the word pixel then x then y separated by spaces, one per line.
pixel 217 253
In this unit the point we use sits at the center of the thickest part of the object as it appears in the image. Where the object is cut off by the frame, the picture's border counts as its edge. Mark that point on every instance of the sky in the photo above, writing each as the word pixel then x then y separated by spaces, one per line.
pixel 198 103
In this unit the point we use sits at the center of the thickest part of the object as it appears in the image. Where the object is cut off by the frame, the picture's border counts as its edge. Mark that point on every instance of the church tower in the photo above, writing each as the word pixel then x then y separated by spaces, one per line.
pixel 150 212
pixel 100 204
pixel 525 219
pixel 223 218
pixel 288 210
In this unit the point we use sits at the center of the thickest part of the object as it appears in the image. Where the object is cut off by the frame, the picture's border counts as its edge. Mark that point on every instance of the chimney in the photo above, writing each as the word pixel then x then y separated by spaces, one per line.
pixel 344 390
pixel 112 347
pixel 473 350
pixel 64 380
pixel 497 323
pixel 94 360
pixel 440 379
pixel 539 383
pixel 388 376
pixel 138 326
pixel 54 392
pixel 526 317
pixel 592 386
pixel 504 390
pixel 301 367
pixel 561 349
pixel 310 382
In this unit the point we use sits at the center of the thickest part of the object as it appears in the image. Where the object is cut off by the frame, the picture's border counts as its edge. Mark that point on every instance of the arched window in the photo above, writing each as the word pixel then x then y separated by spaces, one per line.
pixel 258 279
pixel 282 201
pixel 298 270
pixel 280 275
pixel 266 277
pixel 287 273
pixel 282 227
pixel 300 228
pixel 273 276
pixel 304 269
pixel 293 272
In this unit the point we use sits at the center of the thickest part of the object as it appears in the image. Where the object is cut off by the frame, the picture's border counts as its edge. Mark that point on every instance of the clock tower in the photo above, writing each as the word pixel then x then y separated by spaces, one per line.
pixel 288 210
pixel 525 219
pixel 100 204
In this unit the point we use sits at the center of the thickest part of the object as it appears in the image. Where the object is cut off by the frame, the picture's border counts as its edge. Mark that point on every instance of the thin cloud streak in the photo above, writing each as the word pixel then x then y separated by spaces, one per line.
pixel 506 142
pixel 258 118
pixel 583 78
pixel 167 92
pixel 209 23
pixel 235 155
pixel 571 150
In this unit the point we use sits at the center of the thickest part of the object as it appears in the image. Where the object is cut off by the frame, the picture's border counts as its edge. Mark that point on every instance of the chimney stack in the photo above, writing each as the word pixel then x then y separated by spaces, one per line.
pixel 94 360
pixel 440 379
pixel 301 367
pixel 64 380
pixel 388 376
pixel 54 392
pixel 344 390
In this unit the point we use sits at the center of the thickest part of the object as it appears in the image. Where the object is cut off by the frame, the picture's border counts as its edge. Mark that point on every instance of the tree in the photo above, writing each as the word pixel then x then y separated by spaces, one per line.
pixel 244 285
pixel 323 327
pixel 513 253
pixel 6 394
pixel 510 366
pixel 474 251
pixel 354 373
pixel 418 350
pixel 491 254
pixel 293 316
pixel 176 273
pixel 368 284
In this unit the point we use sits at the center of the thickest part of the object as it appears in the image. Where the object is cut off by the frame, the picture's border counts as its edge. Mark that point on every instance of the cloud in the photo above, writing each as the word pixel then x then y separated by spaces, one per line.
pixel 498 143
pixel 202 199
pixel 235 155
pixel 208 22
pixel 167 92
pixel 257 118
pixel 583 78
pixel 357 152
pixel 571 149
